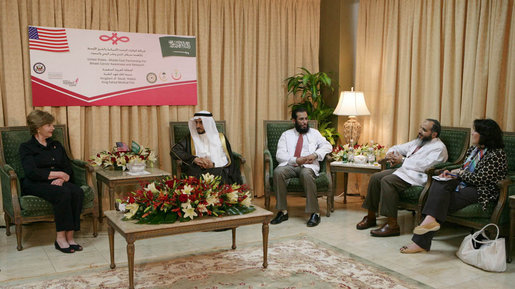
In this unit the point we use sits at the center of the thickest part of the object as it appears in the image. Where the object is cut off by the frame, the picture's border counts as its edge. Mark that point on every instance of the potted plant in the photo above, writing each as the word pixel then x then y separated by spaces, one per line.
pixel 308 86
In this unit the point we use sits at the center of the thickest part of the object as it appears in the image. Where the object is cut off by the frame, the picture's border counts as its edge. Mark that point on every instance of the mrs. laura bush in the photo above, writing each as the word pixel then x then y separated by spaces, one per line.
pixel 47 175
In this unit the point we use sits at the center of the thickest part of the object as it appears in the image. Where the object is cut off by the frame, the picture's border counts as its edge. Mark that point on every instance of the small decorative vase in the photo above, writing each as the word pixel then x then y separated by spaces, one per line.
pixel 360 159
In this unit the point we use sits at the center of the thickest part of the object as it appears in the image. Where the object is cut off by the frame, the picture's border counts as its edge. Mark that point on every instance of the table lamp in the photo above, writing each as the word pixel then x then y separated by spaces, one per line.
pixel 351 103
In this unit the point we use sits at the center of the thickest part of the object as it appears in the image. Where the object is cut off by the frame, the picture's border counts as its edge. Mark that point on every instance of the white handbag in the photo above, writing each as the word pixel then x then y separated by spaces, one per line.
pixel 490 256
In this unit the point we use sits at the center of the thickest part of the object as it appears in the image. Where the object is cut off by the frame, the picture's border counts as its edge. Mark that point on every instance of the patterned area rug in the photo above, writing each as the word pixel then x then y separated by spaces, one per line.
pixel 298 263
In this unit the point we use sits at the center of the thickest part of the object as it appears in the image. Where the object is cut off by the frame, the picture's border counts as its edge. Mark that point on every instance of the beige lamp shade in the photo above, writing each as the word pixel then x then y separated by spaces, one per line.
pixel 351 103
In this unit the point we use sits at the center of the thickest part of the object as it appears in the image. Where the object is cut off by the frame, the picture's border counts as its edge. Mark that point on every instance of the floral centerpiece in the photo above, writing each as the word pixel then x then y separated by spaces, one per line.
pixel 174 199
pixel 347 152
pixel 120 156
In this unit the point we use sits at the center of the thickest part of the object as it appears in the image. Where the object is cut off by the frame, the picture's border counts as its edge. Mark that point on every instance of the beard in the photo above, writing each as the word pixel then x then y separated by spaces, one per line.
pixel 300 129
pixel 424 139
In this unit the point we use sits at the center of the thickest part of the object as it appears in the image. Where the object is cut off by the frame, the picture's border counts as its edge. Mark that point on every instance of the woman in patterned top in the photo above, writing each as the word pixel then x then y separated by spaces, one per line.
pixel 475 182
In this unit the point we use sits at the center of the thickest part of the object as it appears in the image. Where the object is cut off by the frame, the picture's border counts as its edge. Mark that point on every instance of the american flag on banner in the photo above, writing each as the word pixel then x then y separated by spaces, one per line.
pixel 48 39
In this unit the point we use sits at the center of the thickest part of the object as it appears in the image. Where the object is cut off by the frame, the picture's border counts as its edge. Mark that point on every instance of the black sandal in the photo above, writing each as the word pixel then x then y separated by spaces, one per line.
pixel 64 250
pixel 76 247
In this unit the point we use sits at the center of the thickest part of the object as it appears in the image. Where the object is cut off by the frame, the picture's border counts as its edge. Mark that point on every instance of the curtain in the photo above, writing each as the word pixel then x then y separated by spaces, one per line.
pixel 245 51
pixel 449 60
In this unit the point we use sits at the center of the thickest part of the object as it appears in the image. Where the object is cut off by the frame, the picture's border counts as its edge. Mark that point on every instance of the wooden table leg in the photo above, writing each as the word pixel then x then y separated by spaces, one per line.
pixel 333 177
pixel 233 238
pixel 512 229
pixel 100 209
pixel 265 244
pixel 345 184
pixel 130 257
pixel 110 234
pixel 111 197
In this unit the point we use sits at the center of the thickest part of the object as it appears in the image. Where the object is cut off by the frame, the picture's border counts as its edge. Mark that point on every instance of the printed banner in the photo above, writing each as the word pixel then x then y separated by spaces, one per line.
pixel 77 67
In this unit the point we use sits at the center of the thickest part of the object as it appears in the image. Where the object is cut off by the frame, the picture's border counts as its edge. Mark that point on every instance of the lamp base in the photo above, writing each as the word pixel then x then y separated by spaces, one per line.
pixel 351 130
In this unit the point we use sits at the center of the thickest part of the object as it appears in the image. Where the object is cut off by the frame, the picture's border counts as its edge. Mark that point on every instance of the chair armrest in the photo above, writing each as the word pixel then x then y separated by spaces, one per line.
pixel 502 201
pixel 439 170
pixel 11 190
pixel 240 157
pixel 80 172
pixel 442 165
pixel 268 167
pixel 83 175
pixel 178 168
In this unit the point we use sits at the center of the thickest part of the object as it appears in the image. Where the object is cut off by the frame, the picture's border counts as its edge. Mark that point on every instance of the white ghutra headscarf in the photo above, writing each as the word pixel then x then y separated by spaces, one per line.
pixel 214 151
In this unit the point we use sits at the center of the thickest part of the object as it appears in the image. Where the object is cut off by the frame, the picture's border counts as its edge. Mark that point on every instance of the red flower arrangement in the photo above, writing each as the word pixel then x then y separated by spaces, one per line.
pixel 172 199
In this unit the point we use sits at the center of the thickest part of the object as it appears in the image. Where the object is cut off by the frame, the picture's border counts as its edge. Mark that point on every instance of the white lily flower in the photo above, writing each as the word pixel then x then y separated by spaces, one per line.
pixel 247 201
pixel 189 212
pixel 208 178
pixel 187 189
pixel 212 200
pixel 202 208
pixel 152 187
pixel 186 205
pixel 132 209
pixel 233 197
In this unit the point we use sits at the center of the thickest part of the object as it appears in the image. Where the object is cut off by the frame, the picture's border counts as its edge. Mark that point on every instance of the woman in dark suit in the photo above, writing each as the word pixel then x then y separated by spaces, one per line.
pixel 47 175
pixel 475 182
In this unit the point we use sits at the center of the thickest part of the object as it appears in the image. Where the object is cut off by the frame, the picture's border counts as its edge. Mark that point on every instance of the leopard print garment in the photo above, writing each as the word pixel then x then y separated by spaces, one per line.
pixel 491 169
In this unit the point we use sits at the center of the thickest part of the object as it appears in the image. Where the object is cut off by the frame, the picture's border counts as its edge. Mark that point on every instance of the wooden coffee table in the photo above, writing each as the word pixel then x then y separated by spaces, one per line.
pixel 132 231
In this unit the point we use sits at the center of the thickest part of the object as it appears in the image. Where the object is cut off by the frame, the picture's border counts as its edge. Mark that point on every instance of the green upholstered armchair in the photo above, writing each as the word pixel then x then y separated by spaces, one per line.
pixel 180 129
pixel 498 213
pixel 456 139
pixel 29 209
pixel 273 131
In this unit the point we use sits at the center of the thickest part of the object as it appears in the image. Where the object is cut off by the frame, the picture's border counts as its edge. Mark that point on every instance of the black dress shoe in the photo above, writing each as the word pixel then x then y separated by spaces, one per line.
pixel 281 217
pixel 64 250
pixel 76 247
pixel 314 220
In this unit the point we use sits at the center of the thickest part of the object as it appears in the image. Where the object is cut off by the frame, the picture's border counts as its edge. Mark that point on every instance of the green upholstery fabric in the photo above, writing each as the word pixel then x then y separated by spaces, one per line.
pixel 456 141
pixel 411 194
pixel 33 206
pixel 509 147
pixel 11 141
pixel 321 183
pixel 475 211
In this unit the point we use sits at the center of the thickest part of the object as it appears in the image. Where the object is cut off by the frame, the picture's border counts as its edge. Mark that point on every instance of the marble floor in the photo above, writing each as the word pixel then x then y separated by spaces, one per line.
pixel 439 268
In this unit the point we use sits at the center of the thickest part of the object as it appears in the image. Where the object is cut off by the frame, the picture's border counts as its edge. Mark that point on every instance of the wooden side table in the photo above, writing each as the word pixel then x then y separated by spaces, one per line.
pixel 512 225
pixel 347 168
pixel 116 178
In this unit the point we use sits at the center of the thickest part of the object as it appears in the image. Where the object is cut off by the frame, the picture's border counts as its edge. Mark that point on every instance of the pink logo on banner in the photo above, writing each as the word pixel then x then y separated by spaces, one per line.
pixel 114 38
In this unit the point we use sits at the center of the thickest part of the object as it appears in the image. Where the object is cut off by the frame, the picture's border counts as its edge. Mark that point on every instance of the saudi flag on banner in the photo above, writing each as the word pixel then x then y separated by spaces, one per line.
pixel 178 46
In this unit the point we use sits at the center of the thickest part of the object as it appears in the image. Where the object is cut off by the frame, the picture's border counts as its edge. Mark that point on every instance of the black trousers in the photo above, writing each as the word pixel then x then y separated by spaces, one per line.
pixel 442 201
pixel 383 192
pixel 66 199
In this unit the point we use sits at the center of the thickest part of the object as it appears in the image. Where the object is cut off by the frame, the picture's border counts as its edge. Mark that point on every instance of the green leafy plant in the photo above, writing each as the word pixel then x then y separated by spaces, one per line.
pixel 308 86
